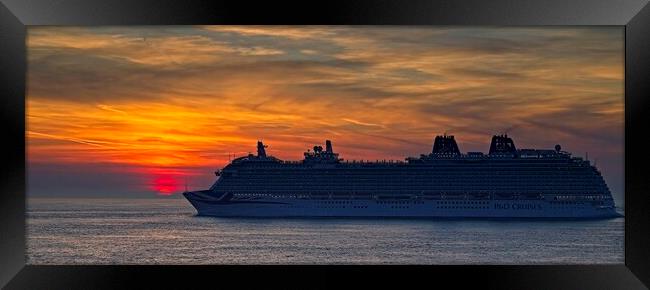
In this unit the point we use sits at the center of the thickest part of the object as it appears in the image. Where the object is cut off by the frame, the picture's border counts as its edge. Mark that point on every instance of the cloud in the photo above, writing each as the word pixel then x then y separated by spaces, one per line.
pixel 259 51
pixel 290 32
pixel 356 122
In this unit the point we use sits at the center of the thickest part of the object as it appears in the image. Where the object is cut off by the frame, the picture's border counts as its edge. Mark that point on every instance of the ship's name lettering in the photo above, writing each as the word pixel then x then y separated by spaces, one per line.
pixel 517 206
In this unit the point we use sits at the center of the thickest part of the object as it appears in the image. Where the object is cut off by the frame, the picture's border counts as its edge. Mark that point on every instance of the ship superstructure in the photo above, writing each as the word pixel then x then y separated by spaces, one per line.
pixel 505 182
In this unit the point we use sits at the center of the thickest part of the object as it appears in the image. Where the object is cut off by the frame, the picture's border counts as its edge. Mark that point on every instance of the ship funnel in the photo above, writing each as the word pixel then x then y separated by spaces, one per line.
pixel 260 149
pixel 502 144
pixel 445 144
pixel 328 146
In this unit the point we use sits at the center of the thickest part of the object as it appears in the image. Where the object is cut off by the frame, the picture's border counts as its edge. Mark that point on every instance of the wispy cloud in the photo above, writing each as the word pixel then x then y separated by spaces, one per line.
pixel 356 122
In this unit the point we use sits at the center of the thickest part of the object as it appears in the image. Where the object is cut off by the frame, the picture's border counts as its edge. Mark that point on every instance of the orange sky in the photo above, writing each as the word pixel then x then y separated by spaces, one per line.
pixel 151 108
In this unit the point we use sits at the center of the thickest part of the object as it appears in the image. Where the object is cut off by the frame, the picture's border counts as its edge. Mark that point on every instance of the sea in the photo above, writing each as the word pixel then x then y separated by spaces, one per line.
pixel 65 231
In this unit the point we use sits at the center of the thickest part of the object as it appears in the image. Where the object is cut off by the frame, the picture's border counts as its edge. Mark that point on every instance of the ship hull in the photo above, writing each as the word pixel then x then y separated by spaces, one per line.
pixel 421 208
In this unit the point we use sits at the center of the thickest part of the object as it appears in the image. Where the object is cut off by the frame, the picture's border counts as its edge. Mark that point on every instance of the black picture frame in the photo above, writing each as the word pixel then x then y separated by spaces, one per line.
pixel 15 15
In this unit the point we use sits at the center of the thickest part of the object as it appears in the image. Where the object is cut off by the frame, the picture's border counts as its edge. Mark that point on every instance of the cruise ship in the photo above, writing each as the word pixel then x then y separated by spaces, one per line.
pixel 504 183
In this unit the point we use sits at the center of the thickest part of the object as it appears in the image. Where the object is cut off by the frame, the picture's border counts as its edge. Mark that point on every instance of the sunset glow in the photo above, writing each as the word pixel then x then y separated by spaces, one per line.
pixel 165 185
pixel 154 108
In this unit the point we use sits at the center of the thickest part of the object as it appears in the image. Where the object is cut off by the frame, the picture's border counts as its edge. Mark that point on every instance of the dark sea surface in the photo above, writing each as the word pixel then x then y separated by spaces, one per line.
pixel 166 231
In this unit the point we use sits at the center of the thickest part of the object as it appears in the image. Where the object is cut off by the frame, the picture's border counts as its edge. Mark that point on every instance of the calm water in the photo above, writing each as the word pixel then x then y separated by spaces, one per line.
pixel 165 231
